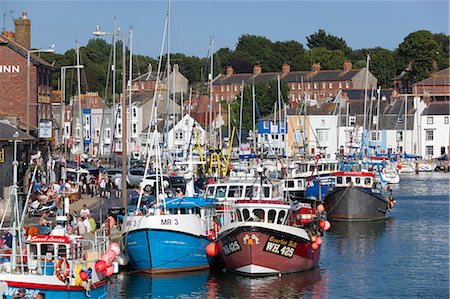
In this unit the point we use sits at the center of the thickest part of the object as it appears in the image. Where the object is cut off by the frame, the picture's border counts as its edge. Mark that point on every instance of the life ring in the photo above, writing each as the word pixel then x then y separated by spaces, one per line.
pixel 62 277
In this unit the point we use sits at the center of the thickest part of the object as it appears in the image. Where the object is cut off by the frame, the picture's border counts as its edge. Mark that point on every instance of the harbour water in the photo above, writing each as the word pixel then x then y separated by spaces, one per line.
pixel 405 256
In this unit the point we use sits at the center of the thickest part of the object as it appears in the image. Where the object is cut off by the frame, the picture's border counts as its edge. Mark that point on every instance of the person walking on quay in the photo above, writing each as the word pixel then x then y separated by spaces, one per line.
pixel 92 190
pixel 84 180
pixel 118 183
pixel 108 188
pixel 84 211
pixel 81 228
pixel 102 187
pixel 93 223
pixel 87 225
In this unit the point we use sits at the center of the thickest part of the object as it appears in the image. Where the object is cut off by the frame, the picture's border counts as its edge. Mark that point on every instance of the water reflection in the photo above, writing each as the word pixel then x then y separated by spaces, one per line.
pixel 229 285
pixel 356 239
pixel 139 285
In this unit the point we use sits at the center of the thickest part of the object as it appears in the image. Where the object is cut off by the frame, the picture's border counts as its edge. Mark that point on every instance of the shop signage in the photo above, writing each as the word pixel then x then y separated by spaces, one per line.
pixel 45 129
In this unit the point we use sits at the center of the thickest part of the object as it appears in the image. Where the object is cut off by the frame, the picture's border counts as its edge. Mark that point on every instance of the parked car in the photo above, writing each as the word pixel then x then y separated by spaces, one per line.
pixel 113 173
pixel 171 183
pixel 135 175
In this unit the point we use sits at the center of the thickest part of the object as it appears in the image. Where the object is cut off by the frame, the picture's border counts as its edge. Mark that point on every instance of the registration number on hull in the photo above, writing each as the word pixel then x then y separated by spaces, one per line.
pixel 230 245
pixel 281 247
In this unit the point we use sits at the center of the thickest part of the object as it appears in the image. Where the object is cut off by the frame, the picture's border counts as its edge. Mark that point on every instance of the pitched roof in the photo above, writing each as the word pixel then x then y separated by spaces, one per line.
pixel 437 108
pixel 289 111
pixel 439 78
pixel 23 51
pixel 358 94
pixel 7 132
pixel 233 79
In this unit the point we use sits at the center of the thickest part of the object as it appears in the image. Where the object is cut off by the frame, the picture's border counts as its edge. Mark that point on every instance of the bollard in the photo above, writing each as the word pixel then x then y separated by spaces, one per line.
pixel 417 167
pixel 446 166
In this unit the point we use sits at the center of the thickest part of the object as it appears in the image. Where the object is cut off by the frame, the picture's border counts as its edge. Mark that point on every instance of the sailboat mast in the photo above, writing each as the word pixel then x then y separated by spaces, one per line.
pixel 378 115
pixel 254 117
pixel 80 115
pixel 406 119
pixel 211 89
pixel 130 80
pixel 124 125
pixel 240 115
pixel 167 78
pixel 365 102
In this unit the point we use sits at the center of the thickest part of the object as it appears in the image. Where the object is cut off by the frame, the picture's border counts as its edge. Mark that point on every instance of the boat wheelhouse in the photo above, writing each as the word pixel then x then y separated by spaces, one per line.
pixel 261 237
pixel 356 196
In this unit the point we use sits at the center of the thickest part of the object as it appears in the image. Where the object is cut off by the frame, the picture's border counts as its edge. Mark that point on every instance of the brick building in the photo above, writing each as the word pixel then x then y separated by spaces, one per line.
pixel 14 49
pixel 316 84
pixel 435 87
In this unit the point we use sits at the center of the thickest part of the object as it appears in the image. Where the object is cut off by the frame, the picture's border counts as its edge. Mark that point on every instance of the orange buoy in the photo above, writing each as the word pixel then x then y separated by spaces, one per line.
pixel 314 246
pixel 322 223
pixel 319 241
pixel 327 225
pixel 212 249
pixel 314 238
pixel 320 208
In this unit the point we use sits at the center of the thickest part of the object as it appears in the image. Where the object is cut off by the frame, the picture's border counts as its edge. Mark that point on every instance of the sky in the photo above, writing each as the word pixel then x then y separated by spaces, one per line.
pixel 362 24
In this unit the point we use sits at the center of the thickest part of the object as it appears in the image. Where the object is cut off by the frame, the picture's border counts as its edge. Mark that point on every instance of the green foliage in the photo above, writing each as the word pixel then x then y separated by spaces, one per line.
pixel 419 53
pixel 329 59
pixel 321 39
pixel 382 64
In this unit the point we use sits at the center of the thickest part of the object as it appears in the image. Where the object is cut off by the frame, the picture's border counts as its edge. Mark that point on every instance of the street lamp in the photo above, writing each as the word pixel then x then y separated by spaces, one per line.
pixel 49 50
pixel 63 96
pixel 98 32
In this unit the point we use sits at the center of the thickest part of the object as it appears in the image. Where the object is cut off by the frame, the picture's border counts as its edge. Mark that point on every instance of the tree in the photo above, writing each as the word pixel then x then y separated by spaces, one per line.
pixel 443 57
pixel 291 52
pixel 328 59
pixel 257 49
pixel 418 53
pixel 382 64
pixel 321 39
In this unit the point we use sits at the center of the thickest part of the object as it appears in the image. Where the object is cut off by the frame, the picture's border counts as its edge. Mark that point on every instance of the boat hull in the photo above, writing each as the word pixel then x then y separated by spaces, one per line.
pixel 98 290
pixel 355 204
pixel 256 251
pixel 160 251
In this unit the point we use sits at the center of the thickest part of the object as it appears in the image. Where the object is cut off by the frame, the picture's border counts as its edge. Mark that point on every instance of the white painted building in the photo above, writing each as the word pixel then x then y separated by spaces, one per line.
pixel 435 132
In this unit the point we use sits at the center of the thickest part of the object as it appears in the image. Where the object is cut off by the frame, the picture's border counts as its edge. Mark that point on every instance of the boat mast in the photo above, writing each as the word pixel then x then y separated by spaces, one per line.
pixel 378 117
pixel 211 44
pixel 404 130
pixel 166 134
pixel 79 104
pixel 240 116
pixel 254 117
pixel 124 126
pixel 130 80
pixel 365 104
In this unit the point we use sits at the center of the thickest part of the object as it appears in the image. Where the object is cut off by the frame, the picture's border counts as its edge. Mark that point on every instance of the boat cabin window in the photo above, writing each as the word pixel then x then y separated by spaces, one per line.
pixel 339 180
pixel 367 181
pixel 266 191
pixel 358 181
pixel 271 216
pixel 238 215
pixel 281 217
pixel 258 215
pixel 245 214
pixel 248 191
pixel 221 192
pixel 319 167
pixel 348 180
pixel 210 192
pixel 326 167
pixel 235 191
pixel 311 168
pixel 290 184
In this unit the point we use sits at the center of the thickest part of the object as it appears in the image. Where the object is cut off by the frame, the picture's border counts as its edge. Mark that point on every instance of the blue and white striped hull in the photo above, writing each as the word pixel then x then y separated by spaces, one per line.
pixel 164 251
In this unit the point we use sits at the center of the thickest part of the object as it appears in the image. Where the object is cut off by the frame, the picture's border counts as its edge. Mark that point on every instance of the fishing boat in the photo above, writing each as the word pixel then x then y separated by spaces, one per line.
pixel 356 196
pixel 266 235
pixel 58 266
pixel 308 180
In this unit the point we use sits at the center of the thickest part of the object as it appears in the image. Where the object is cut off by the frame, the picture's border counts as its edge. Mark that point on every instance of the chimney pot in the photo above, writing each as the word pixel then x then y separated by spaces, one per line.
pixel 257 69
pixel 285 69
pixel 347 66
pixel 24 15
pixel 315 68
pixel 229 71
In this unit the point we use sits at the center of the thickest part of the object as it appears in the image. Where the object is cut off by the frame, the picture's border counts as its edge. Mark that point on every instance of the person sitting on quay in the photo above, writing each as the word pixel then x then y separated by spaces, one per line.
pixel 44 223
pixel 81 228
pixel 84 211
